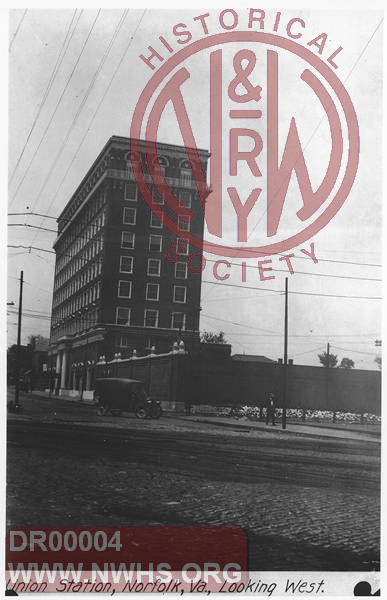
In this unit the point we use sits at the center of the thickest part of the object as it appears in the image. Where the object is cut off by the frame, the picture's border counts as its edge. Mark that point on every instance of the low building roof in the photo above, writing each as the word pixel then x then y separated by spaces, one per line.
pixel 252 358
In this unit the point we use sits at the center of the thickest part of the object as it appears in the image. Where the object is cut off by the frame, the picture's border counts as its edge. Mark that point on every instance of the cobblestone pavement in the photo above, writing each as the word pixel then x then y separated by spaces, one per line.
pixel 292 523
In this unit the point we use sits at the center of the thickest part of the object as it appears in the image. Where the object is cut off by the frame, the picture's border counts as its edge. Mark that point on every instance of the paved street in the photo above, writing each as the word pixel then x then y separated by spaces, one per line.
pixel 306 502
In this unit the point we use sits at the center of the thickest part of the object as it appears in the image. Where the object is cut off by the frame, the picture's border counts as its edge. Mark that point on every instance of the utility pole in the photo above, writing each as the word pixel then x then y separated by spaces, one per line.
pixel 285 366
pixel 327 378
pixel 17 406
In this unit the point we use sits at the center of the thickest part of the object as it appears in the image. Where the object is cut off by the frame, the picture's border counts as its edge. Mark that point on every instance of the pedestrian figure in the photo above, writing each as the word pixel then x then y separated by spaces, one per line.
pixel 270 409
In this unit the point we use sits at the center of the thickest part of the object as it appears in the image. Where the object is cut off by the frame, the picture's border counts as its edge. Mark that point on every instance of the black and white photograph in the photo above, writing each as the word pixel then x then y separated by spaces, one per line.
pixel 194 300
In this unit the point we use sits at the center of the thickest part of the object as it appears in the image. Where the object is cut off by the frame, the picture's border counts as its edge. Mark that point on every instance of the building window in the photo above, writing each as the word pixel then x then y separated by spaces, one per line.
pixel 181 270
pixel 159 163
pixel 155 222
pixel 183 223
pixel 129 215
pixel 154 266
pixel 155 242
pixel 178 320
pixel 130 191
pixel 126 264
pixel 160 196
pixel 127 239
pixel 124 341
pixel 152 291
pixel 179 293
pixel 124 289
pixel 186 178
pixel 163 161
pixel 151 317
pixel 181 247
pixel 122 315
pixel 129 169
pixel 185 199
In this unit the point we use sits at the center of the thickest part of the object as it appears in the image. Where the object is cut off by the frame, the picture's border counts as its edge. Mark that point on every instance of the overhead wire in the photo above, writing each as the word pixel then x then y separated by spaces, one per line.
pixel 296 272
pixel 247 287
pixel 57 102
pixel 351 350
pixel 79 110
pixel 101 102
pixel 104 95
pixel 17 30
pixel 61 55
pixel 321 120
pixel 310 138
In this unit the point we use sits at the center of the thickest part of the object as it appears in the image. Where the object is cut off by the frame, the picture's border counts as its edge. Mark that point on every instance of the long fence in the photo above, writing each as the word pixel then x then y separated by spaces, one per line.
pixel 178 380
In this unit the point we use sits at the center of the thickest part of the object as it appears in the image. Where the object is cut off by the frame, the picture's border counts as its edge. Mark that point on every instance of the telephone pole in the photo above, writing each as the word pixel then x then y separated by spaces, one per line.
pixel 17 406
pixel 285 366
pixel 327 377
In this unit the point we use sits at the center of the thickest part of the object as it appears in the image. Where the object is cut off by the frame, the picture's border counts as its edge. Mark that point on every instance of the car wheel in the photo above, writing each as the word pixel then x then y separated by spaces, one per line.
pixel 141 412
pixel 155 412
pixel 102 410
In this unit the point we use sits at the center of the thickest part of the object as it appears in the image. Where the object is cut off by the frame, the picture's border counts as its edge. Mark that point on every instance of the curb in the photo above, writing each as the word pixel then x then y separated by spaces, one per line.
pixel 270 429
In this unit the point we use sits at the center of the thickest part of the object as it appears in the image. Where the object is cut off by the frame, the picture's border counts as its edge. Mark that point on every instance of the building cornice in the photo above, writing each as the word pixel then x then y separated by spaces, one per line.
pixel 101 164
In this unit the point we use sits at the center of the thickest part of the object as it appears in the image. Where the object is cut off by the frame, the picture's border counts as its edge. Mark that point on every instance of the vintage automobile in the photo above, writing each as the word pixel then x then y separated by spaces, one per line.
pixel 118 394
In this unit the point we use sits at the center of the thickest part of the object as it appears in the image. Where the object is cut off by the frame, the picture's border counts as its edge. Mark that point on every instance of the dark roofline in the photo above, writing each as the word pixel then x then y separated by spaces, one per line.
pixel 257 357
pixel 118 139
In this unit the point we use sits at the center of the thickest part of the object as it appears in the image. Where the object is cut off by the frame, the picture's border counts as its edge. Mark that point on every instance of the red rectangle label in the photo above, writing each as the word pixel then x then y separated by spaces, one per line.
pixel 126 559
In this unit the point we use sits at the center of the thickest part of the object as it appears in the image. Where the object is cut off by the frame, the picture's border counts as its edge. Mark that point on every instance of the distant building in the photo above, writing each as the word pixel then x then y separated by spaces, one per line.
pixel 252 358
pixel 114 290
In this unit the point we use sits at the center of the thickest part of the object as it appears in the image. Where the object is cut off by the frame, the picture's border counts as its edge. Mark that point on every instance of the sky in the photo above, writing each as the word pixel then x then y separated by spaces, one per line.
pixel 75 77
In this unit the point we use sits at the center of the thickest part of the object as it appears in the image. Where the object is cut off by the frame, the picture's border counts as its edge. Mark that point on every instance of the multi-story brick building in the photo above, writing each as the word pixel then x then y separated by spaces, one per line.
pixel 114 289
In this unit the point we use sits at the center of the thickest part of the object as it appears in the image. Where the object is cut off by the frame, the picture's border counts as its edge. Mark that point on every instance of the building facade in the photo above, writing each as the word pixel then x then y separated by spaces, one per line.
pixel 124 283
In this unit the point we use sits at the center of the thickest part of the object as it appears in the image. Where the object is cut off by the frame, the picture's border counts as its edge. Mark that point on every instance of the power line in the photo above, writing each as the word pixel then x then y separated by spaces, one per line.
pixel 17 30
pixel 32 285
pixel 356 351
pixel 328 260
pixel 298 336
pixel 61 55
pixel 319 123
pixel 305 272
pixel 58 101
pixel 247 287
pixel 308 351
pixel 312 135
pixel 101 102
pixel 80 108
pixel 35 214
pixel 31 248
pixel 110 228
pixel 240 324
pixel 31 227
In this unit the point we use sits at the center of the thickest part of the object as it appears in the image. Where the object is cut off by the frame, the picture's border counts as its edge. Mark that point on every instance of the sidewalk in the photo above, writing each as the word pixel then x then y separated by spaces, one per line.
pixel 303 429
pixel 314 429
pixel 52 396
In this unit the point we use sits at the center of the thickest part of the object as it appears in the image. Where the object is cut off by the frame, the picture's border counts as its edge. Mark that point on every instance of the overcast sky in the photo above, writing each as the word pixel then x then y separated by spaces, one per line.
pixel 54 138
